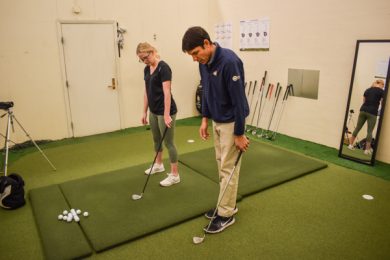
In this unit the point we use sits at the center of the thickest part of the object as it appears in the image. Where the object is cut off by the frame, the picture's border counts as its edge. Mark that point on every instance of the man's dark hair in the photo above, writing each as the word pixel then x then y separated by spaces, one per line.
pixel 194 37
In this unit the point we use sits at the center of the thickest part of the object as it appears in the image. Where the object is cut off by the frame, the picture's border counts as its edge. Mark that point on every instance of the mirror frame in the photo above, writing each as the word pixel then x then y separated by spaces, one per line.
pixel 383 105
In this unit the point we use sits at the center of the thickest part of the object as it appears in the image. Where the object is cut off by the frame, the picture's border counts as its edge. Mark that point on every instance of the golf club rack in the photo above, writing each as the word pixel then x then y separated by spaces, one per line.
pixel 12 185
pixel 268 106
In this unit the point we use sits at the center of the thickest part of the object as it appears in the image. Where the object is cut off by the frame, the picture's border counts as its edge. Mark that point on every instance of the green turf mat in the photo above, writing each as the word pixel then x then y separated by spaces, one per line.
pixel 115 218
pixel 60 240
pixel 262 166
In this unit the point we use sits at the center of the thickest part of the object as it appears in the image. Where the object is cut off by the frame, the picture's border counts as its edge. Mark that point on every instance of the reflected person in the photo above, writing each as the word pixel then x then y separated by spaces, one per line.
pixel 372 99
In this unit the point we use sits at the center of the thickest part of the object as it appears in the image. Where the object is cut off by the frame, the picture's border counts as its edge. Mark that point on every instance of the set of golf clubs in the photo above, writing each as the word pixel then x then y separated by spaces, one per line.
pixel 266 100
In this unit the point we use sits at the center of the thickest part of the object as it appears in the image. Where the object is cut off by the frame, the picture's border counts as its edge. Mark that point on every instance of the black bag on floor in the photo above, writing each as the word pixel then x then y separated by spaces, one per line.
pixel 12 191
pixel 363 142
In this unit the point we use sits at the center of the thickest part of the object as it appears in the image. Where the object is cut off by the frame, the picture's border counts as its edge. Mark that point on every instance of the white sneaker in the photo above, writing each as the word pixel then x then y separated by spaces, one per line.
pixel 156 168
pixel 170 180
pixel 350 147
pixel 367 152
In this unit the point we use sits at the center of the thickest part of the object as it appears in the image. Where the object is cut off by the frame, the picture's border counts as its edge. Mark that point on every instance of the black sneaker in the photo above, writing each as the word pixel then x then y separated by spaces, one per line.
pixel 209 214
pixel 218 224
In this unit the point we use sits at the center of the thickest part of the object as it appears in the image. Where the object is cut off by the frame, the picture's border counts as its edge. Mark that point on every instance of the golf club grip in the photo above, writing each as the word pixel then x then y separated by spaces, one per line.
pixel 277 88
pixel 238 158
pixel 264 77
pixel 266 94
pixel 270 92
pixel 292 90
pixel 278 94
pixel 249 88
pixel 289 91
pixel 286 93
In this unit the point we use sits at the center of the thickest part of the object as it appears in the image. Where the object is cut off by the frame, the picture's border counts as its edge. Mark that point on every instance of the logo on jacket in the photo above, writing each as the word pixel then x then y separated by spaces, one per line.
pixel 215 73
pixel 235 78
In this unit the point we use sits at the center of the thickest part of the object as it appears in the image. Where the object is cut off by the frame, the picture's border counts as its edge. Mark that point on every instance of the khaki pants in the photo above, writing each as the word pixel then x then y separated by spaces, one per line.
pixel 226 155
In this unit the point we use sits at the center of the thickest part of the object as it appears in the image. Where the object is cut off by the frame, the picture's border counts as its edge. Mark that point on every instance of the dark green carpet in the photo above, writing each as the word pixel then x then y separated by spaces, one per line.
pixel 263 166
pixel 60 240
pixel 115 218
pixel 320 216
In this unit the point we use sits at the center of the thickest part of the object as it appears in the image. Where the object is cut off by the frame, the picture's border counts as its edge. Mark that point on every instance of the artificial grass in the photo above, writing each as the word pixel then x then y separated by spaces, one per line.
pixel 263 166
pixel 319 216
pixel 325 153
pixel 115 218
pixel 60 240
pixel 322 152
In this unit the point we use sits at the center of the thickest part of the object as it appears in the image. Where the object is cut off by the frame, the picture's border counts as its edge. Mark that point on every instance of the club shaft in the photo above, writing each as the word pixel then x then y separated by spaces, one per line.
pixel 154 160
pixel 225 188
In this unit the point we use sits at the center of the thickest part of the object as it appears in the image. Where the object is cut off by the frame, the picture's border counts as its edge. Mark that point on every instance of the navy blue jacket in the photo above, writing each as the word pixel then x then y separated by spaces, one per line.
pixel 224 99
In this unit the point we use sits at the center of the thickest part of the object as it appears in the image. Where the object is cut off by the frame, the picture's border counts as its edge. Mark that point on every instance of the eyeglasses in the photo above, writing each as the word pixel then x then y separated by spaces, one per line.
pixel 142 59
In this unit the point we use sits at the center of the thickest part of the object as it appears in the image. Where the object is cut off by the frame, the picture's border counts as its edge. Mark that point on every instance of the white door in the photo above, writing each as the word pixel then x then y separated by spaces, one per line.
pixel 90 68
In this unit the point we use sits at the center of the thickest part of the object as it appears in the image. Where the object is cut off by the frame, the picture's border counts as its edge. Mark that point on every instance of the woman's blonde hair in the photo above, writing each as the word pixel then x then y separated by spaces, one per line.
pixel 378 83
pixel 145 47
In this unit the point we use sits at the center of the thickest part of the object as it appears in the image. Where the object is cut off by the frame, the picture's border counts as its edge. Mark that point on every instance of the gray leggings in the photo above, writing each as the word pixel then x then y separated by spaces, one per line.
pixel 157 125
pixel 371 121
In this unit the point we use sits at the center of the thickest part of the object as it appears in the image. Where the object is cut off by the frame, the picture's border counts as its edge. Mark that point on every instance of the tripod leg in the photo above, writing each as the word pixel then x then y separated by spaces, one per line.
pixel 6 147
pixel 39 149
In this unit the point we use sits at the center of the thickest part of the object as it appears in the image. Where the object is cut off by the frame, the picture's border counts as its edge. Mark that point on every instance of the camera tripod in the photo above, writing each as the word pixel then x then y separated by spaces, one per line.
pixel 10 123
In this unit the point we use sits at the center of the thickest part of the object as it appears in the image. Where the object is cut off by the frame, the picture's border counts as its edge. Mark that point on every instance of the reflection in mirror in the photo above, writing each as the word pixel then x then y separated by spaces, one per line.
pixel 366 102
pixel 305 82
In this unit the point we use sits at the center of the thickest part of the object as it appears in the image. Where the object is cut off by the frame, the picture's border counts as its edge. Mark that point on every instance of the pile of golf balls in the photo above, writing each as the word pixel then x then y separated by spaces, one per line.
pixel 71 215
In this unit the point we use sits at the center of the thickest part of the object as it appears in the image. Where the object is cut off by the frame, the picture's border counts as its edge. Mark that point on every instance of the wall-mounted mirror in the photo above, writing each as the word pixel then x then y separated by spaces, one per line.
pixel 305 82
pixel 366 101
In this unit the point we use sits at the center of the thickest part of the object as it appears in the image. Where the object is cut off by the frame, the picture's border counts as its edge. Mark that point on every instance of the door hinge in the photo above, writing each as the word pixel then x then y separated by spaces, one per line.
pixel 62 40
pixel 67 84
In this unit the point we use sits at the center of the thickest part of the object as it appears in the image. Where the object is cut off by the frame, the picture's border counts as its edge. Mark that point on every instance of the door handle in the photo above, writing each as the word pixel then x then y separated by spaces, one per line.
pixel 113 85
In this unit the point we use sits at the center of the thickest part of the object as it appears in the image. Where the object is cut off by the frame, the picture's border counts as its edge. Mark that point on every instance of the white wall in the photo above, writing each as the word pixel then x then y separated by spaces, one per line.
pixel 32 72
pixel 314 35
pixel 305 34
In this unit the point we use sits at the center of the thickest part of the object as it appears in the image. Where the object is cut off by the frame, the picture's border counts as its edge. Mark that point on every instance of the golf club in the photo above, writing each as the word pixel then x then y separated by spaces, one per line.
pixel 139 196
pixel 279 116
pixel 267 96
pixel 198 240
pixel 262 89
pixel 253 93
pixel 249 89
pixel 277 94
pixel 257 100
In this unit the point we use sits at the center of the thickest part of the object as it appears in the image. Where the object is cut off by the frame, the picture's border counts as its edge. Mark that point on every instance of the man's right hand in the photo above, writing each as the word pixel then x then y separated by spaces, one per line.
pixel 203 129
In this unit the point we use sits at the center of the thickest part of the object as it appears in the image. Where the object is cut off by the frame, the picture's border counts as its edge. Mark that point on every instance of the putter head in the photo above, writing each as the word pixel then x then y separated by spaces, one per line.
pixel 198 240
pixel 136 196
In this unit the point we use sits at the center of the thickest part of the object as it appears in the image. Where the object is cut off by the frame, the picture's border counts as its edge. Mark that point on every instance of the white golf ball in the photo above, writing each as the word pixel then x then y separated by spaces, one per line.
pixel 85 214
pixel 70 217
pixel 190 141
pixel 65 218
pixel 368 197
pixel 60 217
pixel 78 212
pixel 65 212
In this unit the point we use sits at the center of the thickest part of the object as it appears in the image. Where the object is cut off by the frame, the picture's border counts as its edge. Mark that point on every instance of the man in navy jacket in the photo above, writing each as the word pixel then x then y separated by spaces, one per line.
pixel 225 103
